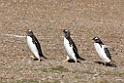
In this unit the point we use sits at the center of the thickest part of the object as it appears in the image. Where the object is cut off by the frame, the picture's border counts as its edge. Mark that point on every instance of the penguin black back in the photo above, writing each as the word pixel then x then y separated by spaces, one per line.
pixel 36 42
pixel 98 40
pixel 67 36
pixel 105 49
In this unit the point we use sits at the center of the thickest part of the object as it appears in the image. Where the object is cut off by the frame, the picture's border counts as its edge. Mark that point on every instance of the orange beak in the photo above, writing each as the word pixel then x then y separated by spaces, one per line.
pixel 61 30
pixel 91 38
pixel 24 30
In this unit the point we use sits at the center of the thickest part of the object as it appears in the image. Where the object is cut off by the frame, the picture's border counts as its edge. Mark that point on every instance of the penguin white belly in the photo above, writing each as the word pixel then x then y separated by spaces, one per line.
pixel 101 52
pixel 32 47
pixel 69 49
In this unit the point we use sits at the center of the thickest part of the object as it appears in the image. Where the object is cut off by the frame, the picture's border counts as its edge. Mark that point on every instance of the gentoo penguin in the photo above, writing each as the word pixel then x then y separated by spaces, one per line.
pixel 103 51
pixel 70 47
pixel 34 45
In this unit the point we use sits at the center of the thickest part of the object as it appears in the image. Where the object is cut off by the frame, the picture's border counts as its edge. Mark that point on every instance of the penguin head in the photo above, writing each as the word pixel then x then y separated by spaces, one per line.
pixel 67 33
pixel 29 32
pixel 97 40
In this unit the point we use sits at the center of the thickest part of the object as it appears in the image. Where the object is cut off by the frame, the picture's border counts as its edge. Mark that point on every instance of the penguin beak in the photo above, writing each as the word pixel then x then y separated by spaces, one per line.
pixel 61 30
pixel 91 38
pixel 24 30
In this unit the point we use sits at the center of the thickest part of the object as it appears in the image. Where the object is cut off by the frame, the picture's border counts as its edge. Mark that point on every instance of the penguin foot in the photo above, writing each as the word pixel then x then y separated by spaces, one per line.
pixel 64 60
pixel 38 60
pixel 32 57
pixel 75 61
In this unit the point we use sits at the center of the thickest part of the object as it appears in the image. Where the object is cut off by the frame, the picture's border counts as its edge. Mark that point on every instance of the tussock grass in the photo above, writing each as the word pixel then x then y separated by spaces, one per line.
pixel 121 74
pixel 56 69
pixel 31 81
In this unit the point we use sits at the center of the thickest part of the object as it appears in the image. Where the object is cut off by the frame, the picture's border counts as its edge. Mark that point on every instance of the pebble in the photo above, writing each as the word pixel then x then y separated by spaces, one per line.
pixel 50 77
pixel 43 79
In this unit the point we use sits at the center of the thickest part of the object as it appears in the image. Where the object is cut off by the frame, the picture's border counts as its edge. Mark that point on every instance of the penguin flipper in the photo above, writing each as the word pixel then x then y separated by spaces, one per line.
pixel 38 47
pixel 75 49
pixel 105 46
pixel 76 53
pixel 107 53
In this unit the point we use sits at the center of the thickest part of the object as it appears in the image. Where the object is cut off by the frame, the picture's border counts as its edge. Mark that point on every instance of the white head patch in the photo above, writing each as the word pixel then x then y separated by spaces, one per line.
pixel 96 38
pixel 29 30
pixel 66 30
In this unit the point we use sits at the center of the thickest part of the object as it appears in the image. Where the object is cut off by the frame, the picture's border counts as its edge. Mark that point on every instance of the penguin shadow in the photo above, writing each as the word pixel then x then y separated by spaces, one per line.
pixel 35 59
pixel 107 64
pixel 72 61
pixel 111 65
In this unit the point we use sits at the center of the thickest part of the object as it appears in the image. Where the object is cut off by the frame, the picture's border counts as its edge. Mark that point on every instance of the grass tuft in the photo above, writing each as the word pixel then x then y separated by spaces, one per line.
pixel 56 69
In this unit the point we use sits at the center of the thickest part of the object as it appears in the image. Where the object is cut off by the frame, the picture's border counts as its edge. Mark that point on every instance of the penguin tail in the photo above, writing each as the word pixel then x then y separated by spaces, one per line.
pixel 41 55
pixel 79 57
pixel 44 57
pixel 111 64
